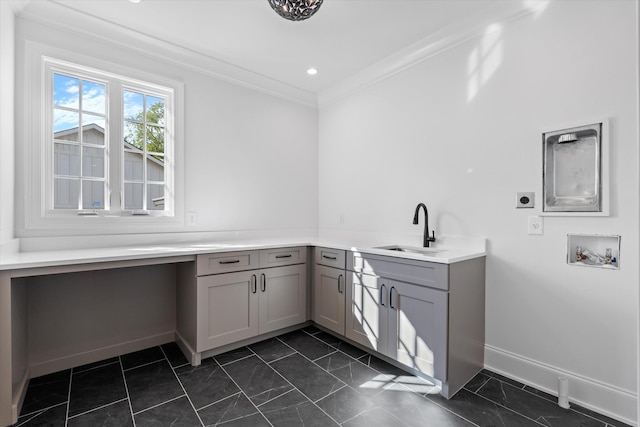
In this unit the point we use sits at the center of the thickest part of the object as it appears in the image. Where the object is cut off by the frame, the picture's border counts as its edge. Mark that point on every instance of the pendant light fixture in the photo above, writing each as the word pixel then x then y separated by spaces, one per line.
pixel 295 10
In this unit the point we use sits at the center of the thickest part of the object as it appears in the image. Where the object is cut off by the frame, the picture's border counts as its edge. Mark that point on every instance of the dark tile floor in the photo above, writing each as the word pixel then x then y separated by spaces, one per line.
pixel 303 378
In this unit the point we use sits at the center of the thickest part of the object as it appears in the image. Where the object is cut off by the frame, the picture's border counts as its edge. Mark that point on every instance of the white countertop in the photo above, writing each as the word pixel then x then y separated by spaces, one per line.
pixel 16 260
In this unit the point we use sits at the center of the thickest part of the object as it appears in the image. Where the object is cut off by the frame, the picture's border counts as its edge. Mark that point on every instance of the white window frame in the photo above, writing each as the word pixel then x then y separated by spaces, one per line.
pixel 41 62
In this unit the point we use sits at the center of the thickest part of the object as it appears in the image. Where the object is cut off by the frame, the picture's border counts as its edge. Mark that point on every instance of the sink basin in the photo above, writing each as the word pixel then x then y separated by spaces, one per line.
pixel 410 249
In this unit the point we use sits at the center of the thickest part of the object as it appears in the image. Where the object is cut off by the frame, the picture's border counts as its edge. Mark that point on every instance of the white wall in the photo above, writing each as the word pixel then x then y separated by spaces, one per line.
pixel 7 52
pixel 250 158
pixel 461 131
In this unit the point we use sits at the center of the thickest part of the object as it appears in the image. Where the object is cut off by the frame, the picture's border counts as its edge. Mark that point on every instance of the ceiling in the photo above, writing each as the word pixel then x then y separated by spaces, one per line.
pixel 342 39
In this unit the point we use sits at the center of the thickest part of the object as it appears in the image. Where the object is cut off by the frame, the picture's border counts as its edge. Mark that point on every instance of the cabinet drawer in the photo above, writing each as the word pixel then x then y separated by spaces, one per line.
pixel 424 273
pixel 283 256
pixel 330 257
pixel 226 262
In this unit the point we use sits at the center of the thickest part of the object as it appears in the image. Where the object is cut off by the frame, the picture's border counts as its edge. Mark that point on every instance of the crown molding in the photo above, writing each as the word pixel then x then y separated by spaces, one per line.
pixel 59 16
pixel 467 28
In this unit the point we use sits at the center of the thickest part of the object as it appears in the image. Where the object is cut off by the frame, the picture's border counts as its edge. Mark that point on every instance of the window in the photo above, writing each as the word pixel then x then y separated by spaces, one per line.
pixel 79 160
pixel 144 152
pixel 109 144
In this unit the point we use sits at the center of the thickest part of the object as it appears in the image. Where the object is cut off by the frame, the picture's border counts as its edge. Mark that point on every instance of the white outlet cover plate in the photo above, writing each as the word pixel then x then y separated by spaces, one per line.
pixel 536 225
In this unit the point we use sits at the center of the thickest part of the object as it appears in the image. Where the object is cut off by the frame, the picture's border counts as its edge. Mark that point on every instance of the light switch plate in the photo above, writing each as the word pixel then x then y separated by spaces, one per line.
pixel 525 200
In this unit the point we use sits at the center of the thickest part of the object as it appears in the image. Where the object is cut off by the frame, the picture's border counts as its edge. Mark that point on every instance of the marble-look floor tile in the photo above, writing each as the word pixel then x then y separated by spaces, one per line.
pixel 229 409
pixel 381 366
pixel 375 417
pixel 255 420
pixel 307 345
pixel 272 349
pixel 151 385
pixel 476 382
pixel 142 357
pixel 97 364
pixel 294 409
pixel 47 391
pixel 176 413
pixel 55 416
pixel 207 383
pixel 514 383
pixel 233 355
pixel 286 400
pixel 115 415
pixel 281 387
pixel 96 387
pixel 610 422
pixel 481 411
pixel 311 330
pixel 336 342
pixel 345 404
pixel 309 378
pixel 355 374
pixel 416 384
pixel 413 409
pixel 538 409
pixel 257 379
pixel 328 338
pixel 174 355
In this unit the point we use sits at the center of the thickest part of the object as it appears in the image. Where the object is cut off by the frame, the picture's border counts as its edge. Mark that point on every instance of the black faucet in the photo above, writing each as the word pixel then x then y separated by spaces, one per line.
pixel 427 239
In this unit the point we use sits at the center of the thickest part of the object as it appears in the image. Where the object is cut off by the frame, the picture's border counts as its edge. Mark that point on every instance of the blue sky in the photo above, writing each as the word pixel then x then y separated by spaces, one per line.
pixel 66 93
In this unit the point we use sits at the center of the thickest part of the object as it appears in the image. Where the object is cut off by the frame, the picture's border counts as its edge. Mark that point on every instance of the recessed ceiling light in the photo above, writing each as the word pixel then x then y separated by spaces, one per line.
pixel 312 71
pixel 135 1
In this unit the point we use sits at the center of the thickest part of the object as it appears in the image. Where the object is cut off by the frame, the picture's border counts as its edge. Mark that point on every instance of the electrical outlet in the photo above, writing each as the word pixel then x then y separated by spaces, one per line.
pixel 525 200
pixel 192 218
pixel 536 225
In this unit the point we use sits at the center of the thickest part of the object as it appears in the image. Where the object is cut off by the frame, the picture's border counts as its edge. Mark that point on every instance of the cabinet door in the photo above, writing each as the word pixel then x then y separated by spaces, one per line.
pixel 418 328
pixel 227 309
pixel 367 302
pixel 329 298
pixel 283 297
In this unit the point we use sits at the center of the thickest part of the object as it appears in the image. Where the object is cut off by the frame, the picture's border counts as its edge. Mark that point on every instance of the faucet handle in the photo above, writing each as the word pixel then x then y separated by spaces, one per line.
pixel 433 237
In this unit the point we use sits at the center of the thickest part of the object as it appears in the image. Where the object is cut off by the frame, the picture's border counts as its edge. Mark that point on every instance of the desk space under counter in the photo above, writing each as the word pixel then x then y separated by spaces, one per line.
pixel 59 317
pixel 229 299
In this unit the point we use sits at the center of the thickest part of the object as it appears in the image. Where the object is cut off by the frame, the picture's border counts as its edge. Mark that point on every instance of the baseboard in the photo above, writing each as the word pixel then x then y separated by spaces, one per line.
pixel 18 395
pixel 71 361
pixel 192 356
pixel 606 399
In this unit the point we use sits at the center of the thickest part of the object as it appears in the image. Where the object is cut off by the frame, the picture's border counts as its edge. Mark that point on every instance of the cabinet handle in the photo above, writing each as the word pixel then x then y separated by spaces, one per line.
pixel 283 256
pixel 263 282
pixel 391 297
pixel 339 280
pixel 234 261
pixel 254 283
pixel 383 294
pixel 330 257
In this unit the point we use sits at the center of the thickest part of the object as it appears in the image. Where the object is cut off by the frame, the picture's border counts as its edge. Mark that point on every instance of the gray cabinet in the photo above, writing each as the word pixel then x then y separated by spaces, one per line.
pixel 427 316
pixel 236 300
pixel 282 297
pixel 417 331
pixel 329 289
pixel 227 309
pixel 403 321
